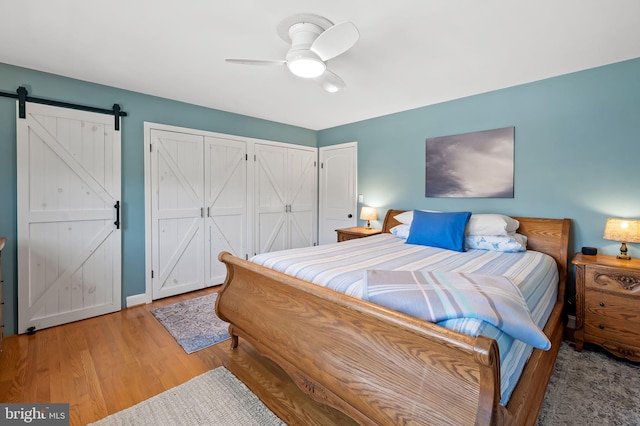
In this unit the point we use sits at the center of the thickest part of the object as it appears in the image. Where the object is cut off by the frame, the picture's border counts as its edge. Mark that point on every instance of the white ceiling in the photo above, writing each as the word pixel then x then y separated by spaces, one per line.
pixel 411 53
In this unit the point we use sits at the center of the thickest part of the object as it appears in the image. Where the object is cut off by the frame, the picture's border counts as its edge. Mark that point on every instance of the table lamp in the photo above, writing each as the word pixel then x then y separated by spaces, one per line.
pixel 624 231
pixel 368 214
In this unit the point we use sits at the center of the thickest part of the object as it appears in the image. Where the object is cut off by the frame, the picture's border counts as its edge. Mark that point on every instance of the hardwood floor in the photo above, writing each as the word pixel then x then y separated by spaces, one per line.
pixel 106 364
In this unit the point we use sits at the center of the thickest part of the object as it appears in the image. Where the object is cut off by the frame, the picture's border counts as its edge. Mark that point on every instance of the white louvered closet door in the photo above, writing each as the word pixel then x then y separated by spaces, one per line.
pixel 69 246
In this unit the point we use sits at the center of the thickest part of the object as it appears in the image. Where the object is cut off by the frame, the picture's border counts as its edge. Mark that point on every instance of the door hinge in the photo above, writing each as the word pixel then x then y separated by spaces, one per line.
pixel 150 147
pixel 246 256
pixel 322 165
pixel 152 274
pixel 314 164
pixel 246 157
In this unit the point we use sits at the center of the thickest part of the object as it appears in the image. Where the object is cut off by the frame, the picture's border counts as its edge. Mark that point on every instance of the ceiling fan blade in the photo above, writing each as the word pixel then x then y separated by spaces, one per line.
pixel 331 82
pixel 335 40
pixel 256 61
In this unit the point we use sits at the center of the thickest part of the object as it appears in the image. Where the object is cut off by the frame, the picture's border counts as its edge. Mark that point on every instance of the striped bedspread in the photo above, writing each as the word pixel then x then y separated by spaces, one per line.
pixel 439 296
pixel 341 266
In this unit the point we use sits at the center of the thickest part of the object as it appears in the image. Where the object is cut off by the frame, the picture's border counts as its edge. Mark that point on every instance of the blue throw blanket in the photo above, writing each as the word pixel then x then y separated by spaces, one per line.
pixel 438 296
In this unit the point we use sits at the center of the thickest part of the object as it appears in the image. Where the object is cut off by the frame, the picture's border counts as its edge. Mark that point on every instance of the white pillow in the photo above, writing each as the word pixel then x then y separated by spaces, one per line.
pixel 407 217
pixel 491 224
pixel 479 224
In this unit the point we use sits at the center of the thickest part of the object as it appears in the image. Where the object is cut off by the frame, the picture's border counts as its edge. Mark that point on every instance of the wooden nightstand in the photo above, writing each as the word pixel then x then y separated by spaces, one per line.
pixel 608 304
pixel 356 232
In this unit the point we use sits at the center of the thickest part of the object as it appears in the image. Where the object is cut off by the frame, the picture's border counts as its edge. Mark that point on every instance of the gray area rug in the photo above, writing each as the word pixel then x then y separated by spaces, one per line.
pixel 193 323
pixel 591 388
pixel 216 397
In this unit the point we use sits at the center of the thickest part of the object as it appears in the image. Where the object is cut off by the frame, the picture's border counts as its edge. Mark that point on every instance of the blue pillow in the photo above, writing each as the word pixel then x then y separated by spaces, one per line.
pixel 443 230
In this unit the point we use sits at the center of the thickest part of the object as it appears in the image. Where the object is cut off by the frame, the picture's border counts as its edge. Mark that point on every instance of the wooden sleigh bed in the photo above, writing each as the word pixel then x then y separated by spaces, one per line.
pixel 380 366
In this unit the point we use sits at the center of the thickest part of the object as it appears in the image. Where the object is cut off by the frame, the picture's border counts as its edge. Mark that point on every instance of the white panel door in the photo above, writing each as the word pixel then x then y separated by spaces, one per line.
pixel 301 197
pixel 226 200
pixel 270 193
pixel 177 212
pixel 69 246
pixel 338 187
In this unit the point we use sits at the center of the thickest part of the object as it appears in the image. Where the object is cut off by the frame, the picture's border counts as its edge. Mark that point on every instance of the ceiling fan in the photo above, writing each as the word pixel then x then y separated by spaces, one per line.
pixel 314 40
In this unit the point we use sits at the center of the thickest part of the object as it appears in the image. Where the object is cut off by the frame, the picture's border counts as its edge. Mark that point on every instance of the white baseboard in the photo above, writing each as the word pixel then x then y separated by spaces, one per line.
pixel 137 299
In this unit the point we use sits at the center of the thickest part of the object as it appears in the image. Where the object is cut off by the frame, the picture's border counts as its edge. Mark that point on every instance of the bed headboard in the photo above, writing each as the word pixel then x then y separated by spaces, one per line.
pixel 390 221
pixel 549 236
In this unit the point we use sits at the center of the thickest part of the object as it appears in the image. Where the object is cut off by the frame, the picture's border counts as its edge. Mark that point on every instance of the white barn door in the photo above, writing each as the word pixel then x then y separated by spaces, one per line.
pixel 285 197
pixel 69 245
pixel 177 212
pixel 270 189
pixel 226 201
pixel 198 209
pixel 302 196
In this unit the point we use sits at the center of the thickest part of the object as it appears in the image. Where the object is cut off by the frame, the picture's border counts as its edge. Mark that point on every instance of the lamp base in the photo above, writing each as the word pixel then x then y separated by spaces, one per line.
pixel 623 252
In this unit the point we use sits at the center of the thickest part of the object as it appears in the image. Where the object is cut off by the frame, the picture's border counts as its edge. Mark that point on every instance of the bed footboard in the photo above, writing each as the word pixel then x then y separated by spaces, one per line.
pixel 376 365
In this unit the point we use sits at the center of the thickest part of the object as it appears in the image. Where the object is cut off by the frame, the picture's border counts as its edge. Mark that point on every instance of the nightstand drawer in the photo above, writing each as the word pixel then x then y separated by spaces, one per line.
pixel 613 279
pixel 611 317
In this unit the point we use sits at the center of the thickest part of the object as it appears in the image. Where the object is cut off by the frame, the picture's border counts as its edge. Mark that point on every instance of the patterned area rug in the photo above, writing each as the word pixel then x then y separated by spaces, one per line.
pixel 193 323
pixel 591 388
pixel 216 397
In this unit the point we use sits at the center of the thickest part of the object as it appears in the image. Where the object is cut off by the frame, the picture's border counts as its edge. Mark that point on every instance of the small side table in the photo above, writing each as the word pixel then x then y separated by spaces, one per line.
pixel 346 234
pixel 608 304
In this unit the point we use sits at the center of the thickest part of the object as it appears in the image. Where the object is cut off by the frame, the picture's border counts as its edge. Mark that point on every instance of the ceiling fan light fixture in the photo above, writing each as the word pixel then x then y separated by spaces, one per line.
pixel 306 65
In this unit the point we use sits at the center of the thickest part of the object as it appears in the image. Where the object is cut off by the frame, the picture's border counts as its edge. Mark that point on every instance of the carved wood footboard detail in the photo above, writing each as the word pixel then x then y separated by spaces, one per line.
pixel 376 365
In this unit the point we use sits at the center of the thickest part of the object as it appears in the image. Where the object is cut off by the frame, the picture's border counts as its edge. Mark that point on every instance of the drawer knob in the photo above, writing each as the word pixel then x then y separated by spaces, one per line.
pixel 601 326
pixel 602 304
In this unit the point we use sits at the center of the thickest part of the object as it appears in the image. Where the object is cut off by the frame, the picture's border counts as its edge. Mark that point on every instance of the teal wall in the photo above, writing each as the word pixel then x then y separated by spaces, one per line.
pixel 577 150
pixel 577 147
pixel 140 108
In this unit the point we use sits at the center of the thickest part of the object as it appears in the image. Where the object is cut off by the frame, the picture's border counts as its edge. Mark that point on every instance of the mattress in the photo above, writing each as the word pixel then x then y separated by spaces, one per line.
pixel 341 266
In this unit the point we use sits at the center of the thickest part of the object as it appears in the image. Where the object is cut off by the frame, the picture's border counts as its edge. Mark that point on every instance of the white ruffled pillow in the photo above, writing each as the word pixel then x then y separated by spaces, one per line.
pixel 479 224
pixel 507 243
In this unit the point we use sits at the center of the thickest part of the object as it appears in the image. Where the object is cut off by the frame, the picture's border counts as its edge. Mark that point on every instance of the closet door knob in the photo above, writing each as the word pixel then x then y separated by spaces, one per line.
pixel 349 215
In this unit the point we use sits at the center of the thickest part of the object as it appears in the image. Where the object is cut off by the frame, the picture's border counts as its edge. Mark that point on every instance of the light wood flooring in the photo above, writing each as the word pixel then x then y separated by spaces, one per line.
pixel 106 364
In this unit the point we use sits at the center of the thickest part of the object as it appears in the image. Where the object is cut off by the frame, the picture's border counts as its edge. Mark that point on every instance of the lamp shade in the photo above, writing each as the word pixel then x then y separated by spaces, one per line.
pixel 368 213
pixel 623 230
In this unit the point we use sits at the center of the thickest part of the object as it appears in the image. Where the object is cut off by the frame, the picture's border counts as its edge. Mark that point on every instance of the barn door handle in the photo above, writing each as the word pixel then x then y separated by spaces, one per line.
pixel 117 207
